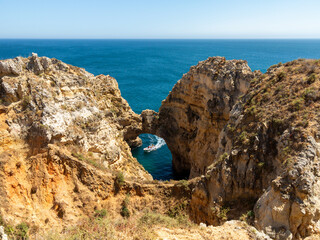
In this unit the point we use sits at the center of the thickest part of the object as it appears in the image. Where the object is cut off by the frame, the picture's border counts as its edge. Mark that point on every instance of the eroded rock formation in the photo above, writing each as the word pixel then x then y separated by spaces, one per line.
pixel 252 138
pixel 196 110
pixel 47 101
pixel 63 136
pixel 259 154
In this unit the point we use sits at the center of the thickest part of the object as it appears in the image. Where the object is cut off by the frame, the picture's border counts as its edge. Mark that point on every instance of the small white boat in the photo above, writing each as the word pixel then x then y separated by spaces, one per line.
pixel 150 148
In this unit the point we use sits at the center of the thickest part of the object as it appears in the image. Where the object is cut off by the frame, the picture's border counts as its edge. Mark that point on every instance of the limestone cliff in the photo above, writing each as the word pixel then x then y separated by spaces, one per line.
pixel 268 155
pixel 46 101
pixel 259 154
pixel 63 136
pixel 196 110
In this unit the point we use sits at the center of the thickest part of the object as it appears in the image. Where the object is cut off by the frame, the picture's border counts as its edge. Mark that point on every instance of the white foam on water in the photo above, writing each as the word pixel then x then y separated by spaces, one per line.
pixel 160 142
pixel 157 141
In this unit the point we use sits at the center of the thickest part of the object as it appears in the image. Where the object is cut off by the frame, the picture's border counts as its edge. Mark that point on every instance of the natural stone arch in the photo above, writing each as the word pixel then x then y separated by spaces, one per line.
pixel 197 109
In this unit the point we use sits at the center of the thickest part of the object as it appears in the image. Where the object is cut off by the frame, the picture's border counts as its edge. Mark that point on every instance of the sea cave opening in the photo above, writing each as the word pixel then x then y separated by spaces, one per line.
pixel 157 161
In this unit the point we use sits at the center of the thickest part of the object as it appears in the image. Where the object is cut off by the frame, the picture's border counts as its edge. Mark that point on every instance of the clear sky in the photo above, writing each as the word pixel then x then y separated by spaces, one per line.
pixel 160 18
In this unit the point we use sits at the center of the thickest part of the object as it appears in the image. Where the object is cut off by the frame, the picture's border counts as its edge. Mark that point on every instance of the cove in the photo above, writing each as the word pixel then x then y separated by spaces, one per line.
pixel 159 162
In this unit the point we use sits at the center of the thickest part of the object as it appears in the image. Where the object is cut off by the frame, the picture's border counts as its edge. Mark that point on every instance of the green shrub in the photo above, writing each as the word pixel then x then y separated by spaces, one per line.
pixel 26 101
pixel 297 104
pixel 101 213
pixel 9 230
pixel 222 214
pixel 223 157
pixel 247 217
pixel 22 231
pixel 119 179
pixel 281 76
pixel 184 184
pixel 244 138
pixel 177 210
pixel 311 79
pixel 124 209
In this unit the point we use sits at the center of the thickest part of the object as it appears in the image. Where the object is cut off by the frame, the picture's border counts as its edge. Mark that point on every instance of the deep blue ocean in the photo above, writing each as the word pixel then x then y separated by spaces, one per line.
pixel 146 70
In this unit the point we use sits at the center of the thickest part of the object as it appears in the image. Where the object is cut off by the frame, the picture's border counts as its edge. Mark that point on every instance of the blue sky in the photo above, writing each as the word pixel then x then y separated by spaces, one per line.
pixel 160 19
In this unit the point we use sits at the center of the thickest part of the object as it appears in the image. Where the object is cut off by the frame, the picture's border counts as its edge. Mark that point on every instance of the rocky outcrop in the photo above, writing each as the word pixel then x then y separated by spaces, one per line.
pixel 196 110
pixel 63 138
pixel 258 154
pixel 268 156
pixel 49 102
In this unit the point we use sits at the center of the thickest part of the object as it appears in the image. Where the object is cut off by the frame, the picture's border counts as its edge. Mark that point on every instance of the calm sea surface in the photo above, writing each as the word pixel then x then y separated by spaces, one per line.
pixel 146 70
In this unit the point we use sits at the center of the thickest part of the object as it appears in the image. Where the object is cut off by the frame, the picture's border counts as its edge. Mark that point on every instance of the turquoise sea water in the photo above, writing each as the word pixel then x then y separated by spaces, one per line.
pixel 146 70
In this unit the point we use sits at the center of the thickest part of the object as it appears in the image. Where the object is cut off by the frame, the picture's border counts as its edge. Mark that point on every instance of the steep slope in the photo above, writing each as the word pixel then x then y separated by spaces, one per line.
pixel 47 101
pixel 64 135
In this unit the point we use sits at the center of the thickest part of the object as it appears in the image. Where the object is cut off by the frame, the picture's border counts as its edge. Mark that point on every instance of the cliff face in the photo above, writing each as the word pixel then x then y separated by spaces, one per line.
pixel 63 135
pixel 259 154
pixel 268 155
pixel 196 110
pixel 46 101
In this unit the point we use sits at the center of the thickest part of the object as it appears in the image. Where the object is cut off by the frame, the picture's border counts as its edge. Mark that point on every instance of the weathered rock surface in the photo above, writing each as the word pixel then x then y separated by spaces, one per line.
pixel 63 136
pixel 259 154
pixel 196 110
pixel 268 156
pixel 48 101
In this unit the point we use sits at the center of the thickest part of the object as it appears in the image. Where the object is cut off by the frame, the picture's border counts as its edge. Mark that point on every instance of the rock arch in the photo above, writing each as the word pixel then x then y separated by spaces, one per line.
pixel 196 110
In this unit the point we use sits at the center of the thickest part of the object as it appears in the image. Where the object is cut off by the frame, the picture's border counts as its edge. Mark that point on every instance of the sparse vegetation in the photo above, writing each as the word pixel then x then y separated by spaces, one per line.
pixel 141 226
pixel 244 138
pixel 223 157
pixel 184 184
pixel 124 209
pixel 297 104
pixel 91 161
pixel 281 76
pixel 119 179
pixel 178 210
pixel 221 212
pixel 102 213
pixel 18 232
pixel 26 100
pixel 247 217
pixel 21 231
pixel 312 78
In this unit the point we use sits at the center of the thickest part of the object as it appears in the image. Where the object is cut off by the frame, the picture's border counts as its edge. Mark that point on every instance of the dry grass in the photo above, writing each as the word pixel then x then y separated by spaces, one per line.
pixel 140 226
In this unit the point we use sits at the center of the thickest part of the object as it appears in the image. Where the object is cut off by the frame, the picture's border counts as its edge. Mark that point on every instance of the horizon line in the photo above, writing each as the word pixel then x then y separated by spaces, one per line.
pixel 293 38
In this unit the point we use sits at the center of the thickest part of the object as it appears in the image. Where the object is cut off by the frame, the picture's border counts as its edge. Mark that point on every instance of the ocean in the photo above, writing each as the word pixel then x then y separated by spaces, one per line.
pixel 146 70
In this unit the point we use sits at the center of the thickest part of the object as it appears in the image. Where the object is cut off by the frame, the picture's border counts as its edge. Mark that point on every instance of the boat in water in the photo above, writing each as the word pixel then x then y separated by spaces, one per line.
pixel 150 148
